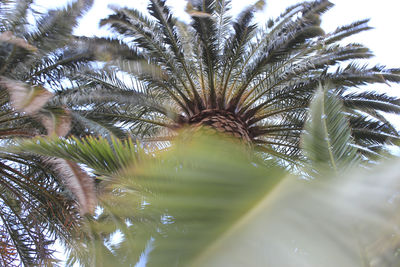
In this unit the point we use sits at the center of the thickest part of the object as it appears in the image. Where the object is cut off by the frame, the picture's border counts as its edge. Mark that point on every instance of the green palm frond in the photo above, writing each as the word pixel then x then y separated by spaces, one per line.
pixel 235 48
pixel 103 156
pixel 110 103
pixel 344 220
pixel 36 58
pixel 191 207
pixel 14 15
pixel 86 124
pixel 348 30
pixel 371 101
pixel 206 30
pixel 75 56
pixel 327 142
pixel 35 208
pixel 54 29
pixel 222 8
pixel 190 177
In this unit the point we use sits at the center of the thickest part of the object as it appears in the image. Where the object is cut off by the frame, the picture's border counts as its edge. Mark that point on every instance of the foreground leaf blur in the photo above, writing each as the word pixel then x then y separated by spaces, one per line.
pixel 181 199
pixel 208 202
pixel 205 203
pixel 350 220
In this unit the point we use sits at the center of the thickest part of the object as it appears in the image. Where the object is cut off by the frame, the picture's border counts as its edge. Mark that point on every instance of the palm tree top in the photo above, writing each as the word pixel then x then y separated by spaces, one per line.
pixel 253 81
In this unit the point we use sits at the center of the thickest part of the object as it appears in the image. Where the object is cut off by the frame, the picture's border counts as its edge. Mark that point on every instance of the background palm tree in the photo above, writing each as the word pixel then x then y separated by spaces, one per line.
pixel 36 206
pixel 42 199
pixel 236 77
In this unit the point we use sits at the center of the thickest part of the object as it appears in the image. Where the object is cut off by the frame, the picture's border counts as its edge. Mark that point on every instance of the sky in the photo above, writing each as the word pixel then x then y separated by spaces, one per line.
pixel 383 40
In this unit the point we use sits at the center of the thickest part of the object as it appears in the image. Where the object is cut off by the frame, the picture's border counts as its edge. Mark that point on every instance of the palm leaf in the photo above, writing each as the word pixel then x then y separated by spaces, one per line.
pixel 344 221
pixel 172 185
pixel 26 98
pixel 327 141
pixel 225 208
pixel 207 33
pixel 103 156
pixel 54 29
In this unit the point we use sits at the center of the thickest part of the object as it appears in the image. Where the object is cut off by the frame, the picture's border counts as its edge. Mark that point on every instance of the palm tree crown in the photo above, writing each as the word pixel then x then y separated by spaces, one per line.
pixel 253 82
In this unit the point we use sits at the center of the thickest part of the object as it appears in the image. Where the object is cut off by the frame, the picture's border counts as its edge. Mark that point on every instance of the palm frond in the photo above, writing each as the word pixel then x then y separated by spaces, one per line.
pixel 160 11
pixel 327 141
pixel 292 35
pixel 14 15
pixel 78 181
pixel 34 209
pixel 348 30
pixel 54 29
pixel 174 183
pixel 366 101
pixel 235 47
pixel 222 8
pixel 136 25
pixel 206 31
pixel 104 156
pixel 193 207
pixel 26 98
pixel 348 218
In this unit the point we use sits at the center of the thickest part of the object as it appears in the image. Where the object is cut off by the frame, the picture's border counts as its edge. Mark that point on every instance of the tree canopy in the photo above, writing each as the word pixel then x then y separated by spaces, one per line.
pixel 133 121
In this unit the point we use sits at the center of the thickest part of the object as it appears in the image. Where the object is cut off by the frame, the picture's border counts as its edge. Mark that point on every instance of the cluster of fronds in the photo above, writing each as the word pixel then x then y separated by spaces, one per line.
pixel 35 205
pixel 264 76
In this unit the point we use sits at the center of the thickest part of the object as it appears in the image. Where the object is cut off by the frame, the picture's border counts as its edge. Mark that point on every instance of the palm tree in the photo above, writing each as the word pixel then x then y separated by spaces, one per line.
pixel 43 198
pixel 39 197
pixel 252 82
